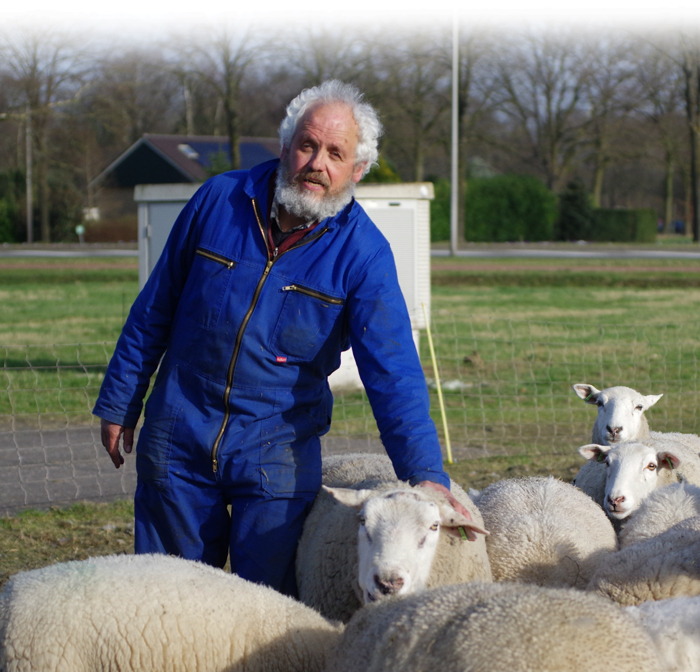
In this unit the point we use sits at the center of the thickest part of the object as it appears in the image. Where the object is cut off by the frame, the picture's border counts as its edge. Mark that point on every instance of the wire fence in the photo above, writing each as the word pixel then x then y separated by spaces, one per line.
pixel 506 387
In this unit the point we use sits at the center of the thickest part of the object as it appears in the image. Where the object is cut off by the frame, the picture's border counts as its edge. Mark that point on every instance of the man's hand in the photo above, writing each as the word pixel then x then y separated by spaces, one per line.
pixel 454 502
pixel 110 433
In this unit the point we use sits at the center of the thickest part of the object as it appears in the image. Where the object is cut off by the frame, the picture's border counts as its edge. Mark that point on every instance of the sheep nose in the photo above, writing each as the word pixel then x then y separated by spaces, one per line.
pixel 615 502
pixel 614 431
pixel 389 585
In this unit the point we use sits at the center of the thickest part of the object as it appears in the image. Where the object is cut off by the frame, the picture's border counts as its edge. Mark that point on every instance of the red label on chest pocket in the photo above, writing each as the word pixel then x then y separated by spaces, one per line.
pixel 280 360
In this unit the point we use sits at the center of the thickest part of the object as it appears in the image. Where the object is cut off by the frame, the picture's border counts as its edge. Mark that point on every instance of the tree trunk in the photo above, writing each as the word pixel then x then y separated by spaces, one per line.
pixel 596 196
pixel 668 205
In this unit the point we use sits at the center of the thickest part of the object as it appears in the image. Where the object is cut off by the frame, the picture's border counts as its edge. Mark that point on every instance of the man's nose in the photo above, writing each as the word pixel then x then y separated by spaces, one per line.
pixel 317 161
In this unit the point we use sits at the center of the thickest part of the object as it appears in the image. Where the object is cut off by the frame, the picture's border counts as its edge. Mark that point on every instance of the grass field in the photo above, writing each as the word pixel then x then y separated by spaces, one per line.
pixel 515 333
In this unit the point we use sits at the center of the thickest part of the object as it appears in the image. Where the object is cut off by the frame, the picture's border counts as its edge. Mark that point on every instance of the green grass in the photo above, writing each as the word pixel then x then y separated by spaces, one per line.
pixel 34 538
pixel 515 340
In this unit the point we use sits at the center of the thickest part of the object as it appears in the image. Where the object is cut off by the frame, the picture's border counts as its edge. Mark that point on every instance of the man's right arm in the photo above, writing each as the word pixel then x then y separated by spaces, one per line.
pixel 145 336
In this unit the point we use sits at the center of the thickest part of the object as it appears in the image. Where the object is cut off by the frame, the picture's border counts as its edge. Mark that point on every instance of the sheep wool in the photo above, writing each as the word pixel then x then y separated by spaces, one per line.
pixel 327 561
pixel 674 626
pixel 343 471
pixel 657 568
pixel 156 613
pixel 660 511
pixel 544 531
pixel 499 627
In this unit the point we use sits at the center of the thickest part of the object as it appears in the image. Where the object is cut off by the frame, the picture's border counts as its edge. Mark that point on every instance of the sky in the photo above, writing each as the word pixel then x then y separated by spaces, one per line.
pixel 128 17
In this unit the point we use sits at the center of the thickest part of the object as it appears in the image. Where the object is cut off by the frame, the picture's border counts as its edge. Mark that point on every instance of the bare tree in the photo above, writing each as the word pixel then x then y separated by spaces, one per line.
pixel 690 65
pixel 47 71
pixel 413 93
pixel 220 60
pixel 135 92
pixel 543 79
pixel 683 49
pixel 323 53
pixel 610 96
pixel 660 83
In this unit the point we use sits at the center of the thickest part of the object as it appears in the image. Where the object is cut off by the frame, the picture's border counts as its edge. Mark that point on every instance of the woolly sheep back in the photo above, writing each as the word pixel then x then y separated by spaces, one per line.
pixel 653 569
pixel 342 471
pixel 498 627
pixel 660 511
pixel 156 613
pixel 544 531
pixel 327 565
pixel 674 627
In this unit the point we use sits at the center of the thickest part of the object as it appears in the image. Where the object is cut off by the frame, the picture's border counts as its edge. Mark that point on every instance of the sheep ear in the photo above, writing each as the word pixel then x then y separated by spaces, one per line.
pixel 586 392
pixel 651 399
pixel 347 496
pixel 452 520
pixel 593 451
pixel 668 460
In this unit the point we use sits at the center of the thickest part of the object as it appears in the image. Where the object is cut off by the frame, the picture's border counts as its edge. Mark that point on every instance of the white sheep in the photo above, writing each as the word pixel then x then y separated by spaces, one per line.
pixel 620 418
pixel 633 469
pixel 156 613
pixel 664 566
pixel 660 511
pixel 544 531
pixel 674 626
pixel 499 627
pixel 397 543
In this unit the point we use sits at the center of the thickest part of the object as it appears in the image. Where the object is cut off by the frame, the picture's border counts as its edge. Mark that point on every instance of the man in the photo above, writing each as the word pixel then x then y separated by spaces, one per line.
pixel 266 277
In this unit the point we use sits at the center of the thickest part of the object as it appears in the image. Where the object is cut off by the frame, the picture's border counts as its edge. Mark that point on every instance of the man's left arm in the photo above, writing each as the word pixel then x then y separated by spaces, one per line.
pixel 382 341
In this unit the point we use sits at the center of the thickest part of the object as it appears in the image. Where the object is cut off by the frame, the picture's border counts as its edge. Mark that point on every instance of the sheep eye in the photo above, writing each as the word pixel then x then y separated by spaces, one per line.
pixel 639 408
pixel 434 526
pixel 651 466
pixel 362 520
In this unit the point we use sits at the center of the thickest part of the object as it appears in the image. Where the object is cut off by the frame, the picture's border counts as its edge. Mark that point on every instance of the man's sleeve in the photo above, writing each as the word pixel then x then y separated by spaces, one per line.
pixel 145 335
pixel 383 347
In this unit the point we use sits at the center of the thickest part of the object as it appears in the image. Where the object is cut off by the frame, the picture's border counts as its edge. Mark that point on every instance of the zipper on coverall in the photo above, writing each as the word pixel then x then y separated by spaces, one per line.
pixel 271 258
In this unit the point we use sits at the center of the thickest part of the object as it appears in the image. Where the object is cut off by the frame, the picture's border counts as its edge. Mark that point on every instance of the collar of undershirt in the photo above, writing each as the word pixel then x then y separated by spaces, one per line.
pixel 276 238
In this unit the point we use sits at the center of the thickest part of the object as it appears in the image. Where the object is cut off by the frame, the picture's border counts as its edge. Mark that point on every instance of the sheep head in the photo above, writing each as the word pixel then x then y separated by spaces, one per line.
pixel 397 537
pixel 620 412
pixel 633 470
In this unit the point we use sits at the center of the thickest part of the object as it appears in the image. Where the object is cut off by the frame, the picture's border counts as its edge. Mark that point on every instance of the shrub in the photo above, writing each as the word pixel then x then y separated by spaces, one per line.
pixel 440 211
pixel 508 208
pixel 575 220
pixel 11 192
pixel 621 225
pixel 384 173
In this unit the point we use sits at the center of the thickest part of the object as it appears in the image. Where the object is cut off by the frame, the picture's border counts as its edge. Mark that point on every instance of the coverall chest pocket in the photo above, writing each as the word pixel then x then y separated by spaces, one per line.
pixel 206 288
pixel 306 321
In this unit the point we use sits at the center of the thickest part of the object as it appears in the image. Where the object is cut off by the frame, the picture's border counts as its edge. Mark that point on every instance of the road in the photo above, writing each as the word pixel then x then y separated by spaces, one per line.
pixel 505 250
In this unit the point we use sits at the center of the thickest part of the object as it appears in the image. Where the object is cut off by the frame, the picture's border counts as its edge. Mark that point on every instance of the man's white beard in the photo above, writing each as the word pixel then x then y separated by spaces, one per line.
pixel 302 203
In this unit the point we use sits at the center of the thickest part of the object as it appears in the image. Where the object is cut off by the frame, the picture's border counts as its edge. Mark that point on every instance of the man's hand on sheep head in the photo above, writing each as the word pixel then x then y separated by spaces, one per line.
pixel 454 502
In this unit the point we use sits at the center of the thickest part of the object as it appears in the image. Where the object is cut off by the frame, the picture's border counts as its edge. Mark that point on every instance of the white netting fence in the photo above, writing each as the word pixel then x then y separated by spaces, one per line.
pixel 506 386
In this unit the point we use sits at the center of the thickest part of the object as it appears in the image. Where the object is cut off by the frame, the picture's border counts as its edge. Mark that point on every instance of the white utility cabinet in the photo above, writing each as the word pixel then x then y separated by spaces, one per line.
pixel 401 211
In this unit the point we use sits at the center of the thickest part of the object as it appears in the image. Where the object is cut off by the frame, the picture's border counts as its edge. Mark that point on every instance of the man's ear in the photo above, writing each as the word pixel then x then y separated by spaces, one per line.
pixel 359 172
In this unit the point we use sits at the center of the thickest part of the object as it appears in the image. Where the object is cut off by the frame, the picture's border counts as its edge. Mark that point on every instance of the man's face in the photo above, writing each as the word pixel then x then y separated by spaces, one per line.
pixel 318 168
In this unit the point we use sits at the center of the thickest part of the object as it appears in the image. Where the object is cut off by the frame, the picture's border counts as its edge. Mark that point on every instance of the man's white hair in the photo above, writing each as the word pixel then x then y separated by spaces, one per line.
pixel 334 91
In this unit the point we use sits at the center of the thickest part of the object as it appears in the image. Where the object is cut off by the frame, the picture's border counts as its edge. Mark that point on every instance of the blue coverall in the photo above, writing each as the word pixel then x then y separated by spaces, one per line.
pixel 244 340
